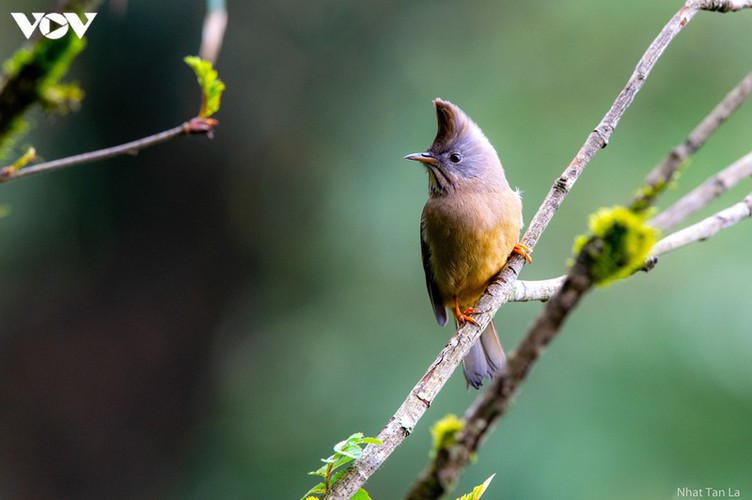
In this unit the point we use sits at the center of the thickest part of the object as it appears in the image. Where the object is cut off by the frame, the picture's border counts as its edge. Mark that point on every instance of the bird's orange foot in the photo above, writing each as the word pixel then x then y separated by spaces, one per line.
pixel 521 249
pixel 464 316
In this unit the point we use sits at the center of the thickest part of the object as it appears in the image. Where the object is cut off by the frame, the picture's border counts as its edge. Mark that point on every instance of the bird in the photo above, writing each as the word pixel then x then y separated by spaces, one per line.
pixel 469 227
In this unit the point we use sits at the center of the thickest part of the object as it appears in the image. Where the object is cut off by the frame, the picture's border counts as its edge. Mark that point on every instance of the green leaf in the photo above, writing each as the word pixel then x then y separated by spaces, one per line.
pixel 21 162
pixel 345 451
pixel 336 460
pixel 211 86
pixel 369 440
pixel 335 477
pixel 316 490
pixel 360 495
pixel 353 439
pixel 341 460
pixel 478 490
pixel 349 450
pixel 319 472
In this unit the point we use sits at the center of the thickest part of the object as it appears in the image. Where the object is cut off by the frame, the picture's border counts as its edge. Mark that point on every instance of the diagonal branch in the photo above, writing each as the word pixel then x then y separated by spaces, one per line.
pixel 706 228
pixel 501 289
pixel 479 419
pixel 565 292
pixel 662 176
pixel 706 192
pixel 722 6
pixel 543 290
pixel 192 127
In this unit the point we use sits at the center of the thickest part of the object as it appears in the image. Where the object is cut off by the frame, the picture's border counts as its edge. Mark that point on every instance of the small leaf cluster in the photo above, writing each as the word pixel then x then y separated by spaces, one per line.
pixel 32 75
pixel 211 86
pixel 625 240
pixel 344 452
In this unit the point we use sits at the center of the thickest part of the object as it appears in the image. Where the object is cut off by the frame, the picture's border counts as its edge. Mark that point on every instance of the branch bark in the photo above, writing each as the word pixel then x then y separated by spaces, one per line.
pixel 706 192
pixel 706 228
pixel 195 126
pixel 543 290
pixel 663 174
pixel 213 31
pixel 501 289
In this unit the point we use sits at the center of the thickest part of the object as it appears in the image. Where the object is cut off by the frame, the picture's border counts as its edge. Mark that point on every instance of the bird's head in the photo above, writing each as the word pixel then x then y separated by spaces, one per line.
pixel 460 153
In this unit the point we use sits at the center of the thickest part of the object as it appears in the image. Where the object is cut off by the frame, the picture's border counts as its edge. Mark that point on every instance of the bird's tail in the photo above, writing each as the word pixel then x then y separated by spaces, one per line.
pixel 485 359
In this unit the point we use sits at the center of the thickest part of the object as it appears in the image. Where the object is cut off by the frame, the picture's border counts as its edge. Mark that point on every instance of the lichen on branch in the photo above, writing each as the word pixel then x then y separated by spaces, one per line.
pixel 617 245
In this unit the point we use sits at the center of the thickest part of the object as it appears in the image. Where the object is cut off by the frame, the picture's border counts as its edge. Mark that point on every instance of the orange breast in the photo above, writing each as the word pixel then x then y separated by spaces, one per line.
pixel 470 237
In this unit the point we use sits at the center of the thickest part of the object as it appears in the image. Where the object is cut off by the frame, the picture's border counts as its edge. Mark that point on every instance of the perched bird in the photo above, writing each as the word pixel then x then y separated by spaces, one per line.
pixel 469 227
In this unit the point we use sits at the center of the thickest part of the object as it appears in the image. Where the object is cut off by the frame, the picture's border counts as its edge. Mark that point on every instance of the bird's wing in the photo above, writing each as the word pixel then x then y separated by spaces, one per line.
pixel 433 290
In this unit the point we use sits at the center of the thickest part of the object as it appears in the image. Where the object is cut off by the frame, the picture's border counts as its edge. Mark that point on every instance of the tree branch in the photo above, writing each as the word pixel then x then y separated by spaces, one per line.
pixel 492 404
pixel 448 463
pixel 191 127
pixel 543 290
pixel 501 289
pixel 722 6
pixel 529 291
pixel 213 31
pixel 662 176
pixel 706 192
pixel 565 292
pixel 706 228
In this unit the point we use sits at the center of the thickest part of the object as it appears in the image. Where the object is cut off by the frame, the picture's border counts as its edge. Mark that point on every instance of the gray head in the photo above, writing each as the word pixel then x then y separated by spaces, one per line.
pixel 459 153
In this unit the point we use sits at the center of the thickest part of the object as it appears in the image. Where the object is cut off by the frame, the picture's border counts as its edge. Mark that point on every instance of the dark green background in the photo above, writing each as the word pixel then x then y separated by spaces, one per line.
pixel 208 319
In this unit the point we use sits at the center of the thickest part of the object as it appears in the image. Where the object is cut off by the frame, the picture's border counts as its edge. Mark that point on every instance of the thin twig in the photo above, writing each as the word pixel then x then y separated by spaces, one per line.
pixel 722 6
pixel 529 291
pixel 501 289
pixel 194 126
pixel 706 228
pixel 213 31
pixel 662 176
pixel 703 194
pixel 543 290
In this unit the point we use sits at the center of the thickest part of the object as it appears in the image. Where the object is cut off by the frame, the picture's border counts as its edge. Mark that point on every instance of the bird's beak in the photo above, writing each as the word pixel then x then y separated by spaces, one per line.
pixel 423 158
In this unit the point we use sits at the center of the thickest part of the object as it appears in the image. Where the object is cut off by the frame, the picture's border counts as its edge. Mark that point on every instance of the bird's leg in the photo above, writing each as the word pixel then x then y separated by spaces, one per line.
pixel 463 317
pixel 521 249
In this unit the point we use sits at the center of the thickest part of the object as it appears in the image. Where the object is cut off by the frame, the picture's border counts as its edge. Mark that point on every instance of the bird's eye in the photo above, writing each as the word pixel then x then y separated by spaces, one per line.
pixel 455 157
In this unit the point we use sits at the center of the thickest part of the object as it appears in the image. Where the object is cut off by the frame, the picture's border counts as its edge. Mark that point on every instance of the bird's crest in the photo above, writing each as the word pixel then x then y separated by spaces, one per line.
pixel 452 122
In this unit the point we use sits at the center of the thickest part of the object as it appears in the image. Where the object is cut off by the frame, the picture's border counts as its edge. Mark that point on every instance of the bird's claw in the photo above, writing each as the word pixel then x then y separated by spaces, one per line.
pixel 524 251
pixel 464 316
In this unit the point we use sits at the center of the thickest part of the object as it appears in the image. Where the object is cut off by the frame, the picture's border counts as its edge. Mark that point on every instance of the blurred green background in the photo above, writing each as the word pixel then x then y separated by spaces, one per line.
pixel 206 320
